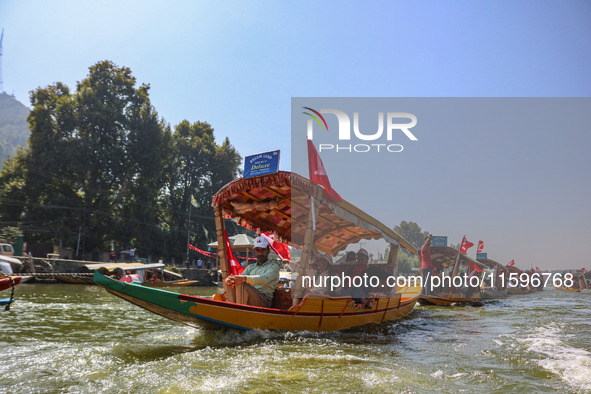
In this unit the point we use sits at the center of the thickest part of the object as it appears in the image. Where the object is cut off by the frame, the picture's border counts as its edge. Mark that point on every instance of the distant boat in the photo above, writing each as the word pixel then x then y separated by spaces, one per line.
pixel 152 275
pixel 7 277
pixel 495 280
pixel 451 263
pixel 581 283
pixel 519 286
pixel 8 281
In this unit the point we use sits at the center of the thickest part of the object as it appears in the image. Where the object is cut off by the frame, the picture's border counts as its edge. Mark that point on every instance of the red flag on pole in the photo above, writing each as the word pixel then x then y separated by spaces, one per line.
pixel 583 270
pixel 318 174
pixel 474 267
pixel 465 245
pixel 234 268
pixel 511 263
pixel 480 246
pixel 281 249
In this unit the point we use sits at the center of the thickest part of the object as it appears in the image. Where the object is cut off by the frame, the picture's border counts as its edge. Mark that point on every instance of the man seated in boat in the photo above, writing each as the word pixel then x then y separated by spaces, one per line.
pixel 255 286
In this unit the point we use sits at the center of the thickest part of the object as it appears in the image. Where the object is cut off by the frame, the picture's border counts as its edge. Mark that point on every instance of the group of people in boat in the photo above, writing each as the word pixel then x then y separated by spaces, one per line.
pixel 257 283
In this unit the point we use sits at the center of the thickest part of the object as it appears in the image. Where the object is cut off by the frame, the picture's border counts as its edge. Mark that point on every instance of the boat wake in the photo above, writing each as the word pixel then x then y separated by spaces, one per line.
pixel 573 365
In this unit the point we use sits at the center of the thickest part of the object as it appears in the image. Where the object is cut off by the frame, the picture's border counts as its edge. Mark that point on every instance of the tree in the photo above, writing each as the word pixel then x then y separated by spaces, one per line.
pixel 412 233
pixel 12 187
pixel 52 200
pixel 100 165
pixel 200 169
pixel 10 234
pixel 407 264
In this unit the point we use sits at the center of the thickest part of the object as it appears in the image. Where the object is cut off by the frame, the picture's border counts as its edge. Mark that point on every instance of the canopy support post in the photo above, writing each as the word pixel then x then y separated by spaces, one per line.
pixel 219 225
pixel 307 252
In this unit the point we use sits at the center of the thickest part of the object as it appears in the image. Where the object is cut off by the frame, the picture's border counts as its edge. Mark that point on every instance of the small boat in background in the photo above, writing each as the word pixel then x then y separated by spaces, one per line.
pixel 494 280
pixel 520 286
pixel 151 275
pixel 8 281
pixel 452 264
pixel 580 283
pixel 74 279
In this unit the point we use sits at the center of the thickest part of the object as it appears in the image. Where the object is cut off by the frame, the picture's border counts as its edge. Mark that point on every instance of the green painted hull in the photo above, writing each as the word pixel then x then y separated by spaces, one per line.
pixel 169 304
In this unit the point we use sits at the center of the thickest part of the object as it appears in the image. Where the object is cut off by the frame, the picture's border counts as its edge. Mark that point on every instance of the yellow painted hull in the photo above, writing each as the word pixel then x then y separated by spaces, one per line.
pixel 312 314
pixel 568 289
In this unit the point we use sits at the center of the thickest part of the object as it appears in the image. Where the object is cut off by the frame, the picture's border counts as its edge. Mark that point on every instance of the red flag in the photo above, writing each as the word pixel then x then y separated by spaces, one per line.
pixel 511 263
pixel 474 267
pixel 203 252
pixel 281 249
pixel 480 246
pixel 233 267
pixel 465 245
pixel 318 174
pixel 583 270
pixel 538 269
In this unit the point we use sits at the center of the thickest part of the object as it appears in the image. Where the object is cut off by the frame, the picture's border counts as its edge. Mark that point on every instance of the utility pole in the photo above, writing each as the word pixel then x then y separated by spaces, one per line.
pixel 1 83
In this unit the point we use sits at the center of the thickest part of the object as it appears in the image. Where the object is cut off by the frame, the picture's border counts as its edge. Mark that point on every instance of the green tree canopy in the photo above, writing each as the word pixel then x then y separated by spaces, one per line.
pixel 100 165
pixel 412 233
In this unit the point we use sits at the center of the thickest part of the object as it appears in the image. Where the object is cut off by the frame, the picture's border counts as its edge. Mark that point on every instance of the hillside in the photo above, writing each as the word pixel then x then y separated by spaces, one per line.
pixel 14 129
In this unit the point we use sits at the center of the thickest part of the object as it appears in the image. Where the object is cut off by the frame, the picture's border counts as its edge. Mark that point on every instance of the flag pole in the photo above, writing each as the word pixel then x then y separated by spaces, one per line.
pixel 454 271
pixel 188 234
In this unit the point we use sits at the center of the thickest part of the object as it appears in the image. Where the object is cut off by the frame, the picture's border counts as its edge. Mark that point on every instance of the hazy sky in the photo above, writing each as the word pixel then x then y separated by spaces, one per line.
pixel 237 65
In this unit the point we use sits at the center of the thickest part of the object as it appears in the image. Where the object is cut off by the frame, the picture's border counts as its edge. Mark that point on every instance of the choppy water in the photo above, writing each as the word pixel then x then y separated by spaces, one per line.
pixel 72 338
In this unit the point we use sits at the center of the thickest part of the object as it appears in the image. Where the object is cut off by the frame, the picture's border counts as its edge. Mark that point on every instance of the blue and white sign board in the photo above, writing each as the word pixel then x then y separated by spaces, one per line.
pixel 439 241
pixel 261 164
pixel 481 256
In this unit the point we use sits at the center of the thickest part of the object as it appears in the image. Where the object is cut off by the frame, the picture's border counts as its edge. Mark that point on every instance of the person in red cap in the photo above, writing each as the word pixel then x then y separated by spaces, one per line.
pixel 255 286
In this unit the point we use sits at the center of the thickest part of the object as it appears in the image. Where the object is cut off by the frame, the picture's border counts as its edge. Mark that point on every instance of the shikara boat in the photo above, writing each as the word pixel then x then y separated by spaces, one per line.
pixel 152 275
pixel 7 278
pixel 584 280
pixel 9 281
pixel 581 283
pixel 495 282
pixel 281 203
pixel 516 288
pixel 450 263
pixel 71 279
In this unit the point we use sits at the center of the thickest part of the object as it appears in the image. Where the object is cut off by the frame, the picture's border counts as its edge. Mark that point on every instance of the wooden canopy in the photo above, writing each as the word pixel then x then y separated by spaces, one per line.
pixel 445 257
pixel 281 203
pixel 514 269
pixel 493 264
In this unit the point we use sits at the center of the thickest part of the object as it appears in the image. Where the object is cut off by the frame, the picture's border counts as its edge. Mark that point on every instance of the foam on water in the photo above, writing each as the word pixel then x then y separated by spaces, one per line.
pixel 573 365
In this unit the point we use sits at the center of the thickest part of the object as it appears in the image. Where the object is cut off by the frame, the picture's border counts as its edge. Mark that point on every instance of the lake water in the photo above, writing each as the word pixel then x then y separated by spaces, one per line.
pixel 76 338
